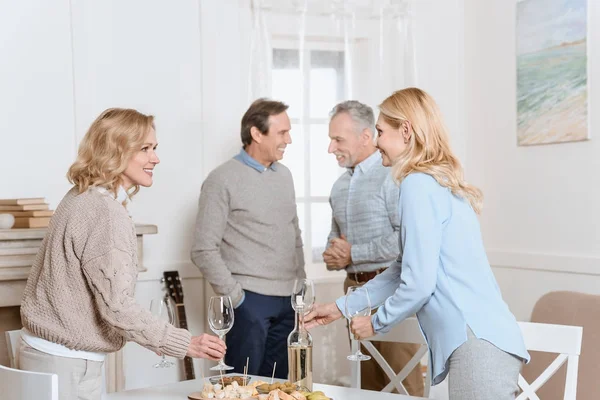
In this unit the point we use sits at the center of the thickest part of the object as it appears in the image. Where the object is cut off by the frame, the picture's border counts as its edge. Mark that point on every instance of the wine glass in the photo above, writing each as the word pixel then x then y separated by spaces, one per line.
pixel 303 295
pixel 161 308
pixel 354 291
pixel 220 319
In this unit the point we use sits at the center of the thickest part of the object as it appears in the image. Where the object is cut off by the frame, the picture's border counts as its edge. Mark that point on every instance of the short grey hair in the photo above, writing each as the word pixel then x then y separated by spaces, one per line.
pixel 360 113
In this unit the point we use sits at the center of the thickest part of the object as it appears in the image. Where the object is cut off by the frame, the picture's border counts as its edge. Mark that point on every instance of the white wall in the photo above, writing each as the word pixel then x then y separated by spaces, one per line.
pixel 186 63
pixel 540 210
pixel 37 141
pixel 439 37
pixel 63 62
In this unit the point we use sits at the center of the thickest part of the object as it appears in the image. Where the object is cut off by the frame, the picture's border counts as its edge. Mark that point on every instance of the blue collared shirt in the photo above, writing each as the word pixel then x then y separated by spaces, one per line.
pixel 443 275
pixel 244 157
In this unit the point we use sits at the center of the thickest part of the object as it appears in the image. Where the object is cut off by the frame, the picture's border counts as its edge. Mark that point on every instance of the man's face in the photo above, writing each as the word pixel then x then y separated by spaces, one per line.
pixel 273 144
pixel 345 142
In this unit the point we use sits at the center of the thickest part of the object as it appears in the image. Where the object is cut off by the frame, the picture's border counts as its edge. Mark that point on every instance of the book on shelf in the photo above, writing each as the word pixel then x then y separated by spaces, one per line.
pixel 21 202
pixel 24 207
pixel 35 222
pixel 34 213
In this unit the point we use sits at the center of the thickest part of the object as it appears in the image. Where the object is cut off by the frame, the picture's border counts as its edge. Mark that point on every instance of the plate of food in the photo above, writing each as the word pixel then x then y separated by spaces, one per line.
pixel 233 391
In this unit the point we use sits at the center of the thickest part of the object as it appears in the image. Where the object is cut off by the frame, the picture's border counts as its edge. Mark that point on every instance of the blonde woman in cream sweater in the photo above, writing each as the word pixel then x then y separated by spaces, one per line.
pixel 79 301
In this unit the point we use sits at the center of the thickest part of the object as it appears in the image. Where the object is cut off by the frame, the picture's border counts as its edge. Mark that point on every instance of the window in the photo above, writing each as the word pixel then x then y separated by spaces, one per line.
pixel 311 89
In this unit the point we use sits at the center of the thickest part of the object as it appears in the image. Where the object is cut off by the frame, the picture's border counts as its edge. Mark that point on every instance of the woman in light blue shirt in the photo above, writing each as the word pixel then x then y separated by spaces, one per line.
pixel 442 273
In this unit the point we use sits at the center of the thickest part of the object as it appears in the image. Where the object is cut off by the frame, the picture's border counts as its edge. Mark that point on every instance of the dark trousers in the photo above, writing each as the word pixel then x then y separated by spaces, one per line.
pixel 260 330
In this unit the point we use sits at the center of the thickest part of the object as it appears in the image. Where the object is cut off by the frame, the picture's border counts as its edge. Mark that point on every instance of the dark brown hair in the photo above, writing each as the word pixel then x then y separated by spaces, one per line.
pixel 258 115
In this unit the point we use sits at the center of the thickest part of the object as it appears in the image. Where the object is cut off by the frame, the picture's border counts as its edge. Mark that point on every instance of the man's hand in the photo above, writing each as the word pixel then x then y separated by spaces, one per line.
pixel 206 346
pixel 332 260
pixel 322 314
pixel 338 255
pixel 362 327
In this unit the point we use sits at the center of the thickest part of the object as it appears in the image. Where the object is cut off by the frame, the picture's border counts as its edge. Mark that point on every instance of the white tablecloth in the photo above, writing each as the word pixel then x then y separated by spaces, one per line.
pixel 180 390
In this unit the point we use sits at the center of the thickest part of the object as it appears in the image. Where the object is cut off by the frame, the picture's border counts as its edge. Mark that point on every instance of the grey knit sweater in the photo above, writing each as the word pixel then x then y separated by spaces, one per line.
pixel 247 235
pixel 80 291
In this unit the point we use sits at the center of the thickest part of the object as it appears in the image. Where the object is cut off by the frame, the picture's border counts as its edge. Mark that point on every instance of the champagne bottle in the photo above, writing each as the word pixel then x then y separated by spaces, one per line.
pixel 300 344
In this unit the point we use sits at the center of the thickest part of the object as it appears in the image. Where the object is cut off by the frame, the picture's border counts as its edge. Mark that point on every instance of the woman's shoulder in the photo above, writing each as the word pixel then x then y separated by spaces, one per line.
pixel 420 182
pixel 419 187
pixel 95 209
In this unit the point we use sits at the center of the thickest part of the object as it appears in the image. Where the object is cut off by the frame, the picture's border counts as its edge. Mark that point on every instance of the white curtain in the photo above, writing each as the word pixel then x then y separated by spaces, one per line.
pixel 313 54
pixel 375 36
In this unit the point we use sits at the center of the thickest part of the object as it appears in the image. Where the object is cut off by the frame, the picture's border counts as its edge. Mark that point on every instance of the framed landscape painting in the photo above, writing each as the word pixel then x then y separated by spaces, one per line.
pixel 552 71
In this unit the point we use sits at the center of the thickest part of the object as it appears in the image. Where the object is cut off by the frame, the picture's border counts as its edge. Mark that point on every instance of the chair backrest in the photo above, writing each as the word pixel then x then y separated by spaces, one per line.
pixel 408 331
pixel 561 339
pixel 17 385
pixel 577 309
pixel 12 344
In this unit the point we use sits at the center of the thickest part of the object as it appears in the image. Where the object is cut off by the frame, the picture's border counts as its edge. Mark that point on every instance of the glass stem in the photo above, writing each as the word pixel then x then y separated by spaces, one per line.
pixel 221 362
pixel 358 352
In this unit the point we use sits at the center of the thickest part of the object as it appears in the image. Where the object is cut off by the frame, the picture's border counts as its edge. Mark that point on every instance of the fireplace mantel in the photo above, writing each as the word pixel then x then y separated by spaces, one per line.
pixel 18 248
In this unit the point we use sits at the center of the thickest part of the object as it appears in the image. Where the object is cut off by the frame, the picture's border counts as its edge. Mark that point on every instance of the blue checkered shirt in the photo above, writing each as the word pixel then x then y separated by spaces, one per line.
pixel 364 204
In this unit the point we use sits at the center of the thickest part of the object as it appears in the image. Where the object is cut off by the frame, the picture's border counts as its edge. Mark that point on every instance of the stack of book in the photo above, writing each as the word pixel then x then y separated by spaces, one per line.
pixel 28 213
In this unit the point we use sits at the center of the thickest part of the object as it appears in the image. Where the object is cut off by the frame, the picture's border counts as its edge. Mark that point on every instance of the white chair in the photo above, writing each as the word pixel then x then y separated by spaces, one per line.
pixel 408 331
pixel 19 385
pixel 562 339
pixel 13 339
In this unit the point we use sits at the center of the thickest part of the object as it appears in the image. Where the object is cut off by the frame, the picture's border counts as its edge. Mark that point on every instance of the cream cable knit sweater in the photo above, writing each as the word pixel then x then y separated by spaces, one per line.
pixel 80 291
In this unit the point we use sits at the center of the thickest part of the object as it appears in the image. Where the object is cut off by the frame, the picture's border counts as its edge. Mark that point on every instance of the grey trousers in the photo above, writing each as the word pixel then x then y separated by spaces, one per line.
pixel 78 379
pixel 478 370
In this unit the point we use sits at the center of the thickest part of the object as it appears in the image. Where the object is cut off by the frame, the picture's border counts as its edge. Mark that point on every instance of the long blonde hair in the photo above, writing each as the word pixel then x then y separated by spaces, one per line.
pixel 104 153
pixel 428 149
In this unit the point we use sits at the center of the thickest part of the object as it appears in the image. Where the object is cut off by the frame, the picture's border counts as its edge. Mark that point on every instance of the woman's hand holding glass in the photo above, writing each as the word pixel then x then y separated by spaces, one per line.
pixel 353 313
pixel 220 319
pixel 362 327
pixel 206 346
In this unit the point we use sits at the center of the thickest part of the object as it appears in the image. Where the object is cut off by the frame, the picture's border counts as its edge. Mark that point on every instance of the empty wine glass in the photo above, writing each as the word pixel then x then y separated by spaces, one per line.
pixel 220 319
pixel 354 291
pixel 303 295
pixel 161 308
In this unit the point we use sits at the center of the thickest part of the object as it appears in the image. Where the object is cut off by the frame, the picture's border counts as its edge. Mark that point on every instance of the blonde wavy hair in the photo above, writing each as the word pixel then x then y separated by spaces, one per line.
pixel 428 149
pixel 104 153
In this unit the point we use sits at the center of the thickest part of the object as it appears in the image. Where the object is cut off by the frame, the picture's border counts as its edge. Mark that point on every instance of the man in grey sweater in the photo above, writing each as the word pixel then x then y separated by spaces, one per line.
pixel 248 243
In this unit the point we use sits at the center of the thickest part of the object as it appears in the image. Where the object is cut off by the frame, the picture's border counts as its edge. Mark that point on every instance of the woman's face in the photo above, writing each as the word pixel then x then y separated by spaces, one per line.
pixel 390 141
pixel 141 166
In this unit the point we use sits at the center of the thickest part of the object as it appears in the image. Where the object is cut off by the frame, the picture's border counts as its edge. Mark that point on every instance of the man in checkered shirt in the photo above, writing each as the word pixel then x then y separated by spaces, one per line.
pixel 365 225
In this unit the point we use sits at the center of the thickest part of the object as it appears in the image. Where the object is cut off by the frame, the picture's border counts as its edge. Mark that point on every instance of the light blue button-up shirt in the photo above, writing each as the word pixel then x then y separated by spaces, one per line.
pixel 443 275
pixel 247 159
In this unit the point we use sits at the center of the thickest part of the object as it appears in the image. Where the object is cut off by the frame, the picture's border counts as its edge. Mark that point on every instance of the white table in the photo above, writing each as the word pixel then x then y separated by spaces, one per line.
pixel 180 390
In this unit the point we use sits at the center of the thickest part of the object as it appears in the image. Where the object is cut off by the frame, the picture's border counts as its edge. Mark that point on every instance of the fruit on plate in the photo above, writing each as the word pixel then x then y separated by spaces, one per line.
pixel 318 395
